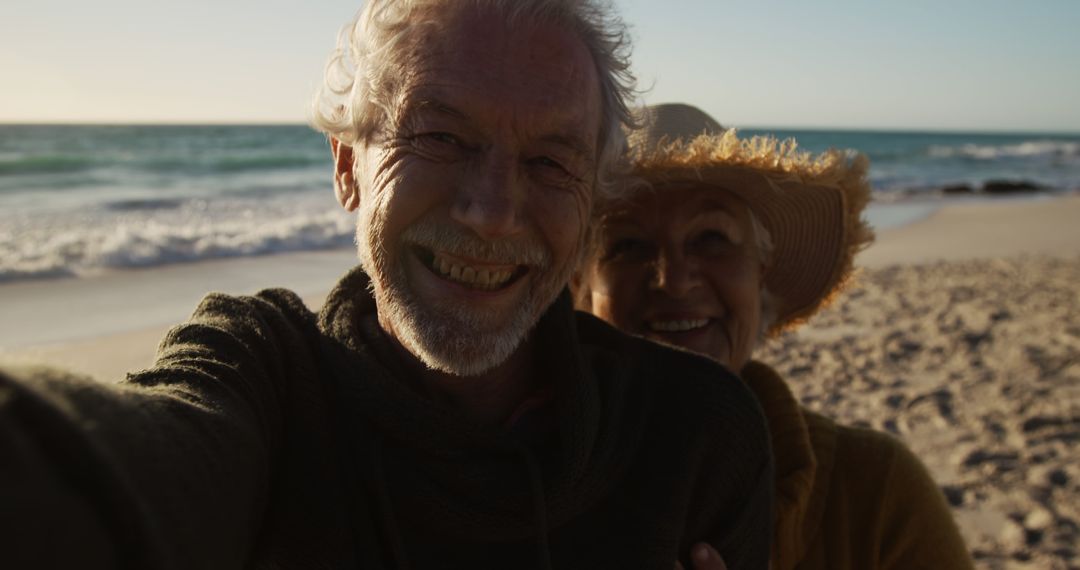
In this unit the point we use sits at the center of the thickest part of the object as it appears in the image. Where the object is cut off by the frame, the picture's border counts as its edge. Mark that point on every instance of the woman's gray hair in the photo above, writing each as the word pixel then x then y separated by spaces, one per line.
pixel 769 301
pixel 762 238
pixel 363 78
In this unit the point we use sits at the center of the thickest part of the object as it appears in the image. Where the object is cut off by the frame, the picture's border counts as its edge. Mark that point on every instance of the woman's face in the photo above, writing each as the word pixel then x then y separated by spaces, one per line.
pixel 680 266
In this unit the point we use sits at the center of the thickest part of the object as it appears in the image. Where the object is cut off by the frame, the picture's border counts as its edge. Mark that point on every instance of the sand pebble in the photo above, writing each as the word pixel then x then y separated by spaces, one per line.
pixel 1038 519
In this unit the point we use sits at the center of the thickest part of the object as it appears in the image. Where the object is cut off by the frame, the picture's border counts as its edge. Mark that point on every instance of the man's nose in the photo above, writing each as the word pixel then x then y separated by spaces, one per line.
pixel 490 199
pixel 676 273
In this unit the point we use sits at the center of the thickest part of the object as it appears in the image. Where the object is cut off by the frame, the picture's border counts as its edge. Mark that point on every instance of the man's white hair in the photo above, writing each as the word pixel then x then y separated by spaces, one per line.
pixel 363 77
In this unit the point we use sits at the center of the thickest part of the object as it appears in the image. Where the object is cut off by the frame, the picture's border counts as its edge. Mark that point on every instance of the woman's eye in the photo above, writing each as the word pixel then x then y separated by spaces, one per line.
pixel 628 248
pixel 714 236
pixel 711 241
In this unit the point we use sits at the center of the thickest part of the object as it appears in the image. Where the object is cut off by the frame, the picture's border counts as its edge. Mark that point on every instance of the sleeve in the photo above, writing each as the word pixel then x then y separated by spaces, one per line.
pixel 917 526
pixel 736 489
pixel 167 469
pixel 747 543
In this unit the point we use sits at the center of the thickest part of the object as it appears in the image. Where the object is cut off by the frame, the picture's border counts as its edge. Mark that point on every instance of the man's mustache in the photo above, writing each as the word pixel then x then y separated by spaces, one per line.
pixel 441 236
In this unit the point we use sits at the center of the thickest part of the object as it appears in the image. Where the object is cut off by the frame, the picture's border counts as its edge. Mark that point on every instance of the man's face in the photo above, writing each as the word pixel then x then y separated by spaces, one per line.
pixel 473 207
pixel 682 267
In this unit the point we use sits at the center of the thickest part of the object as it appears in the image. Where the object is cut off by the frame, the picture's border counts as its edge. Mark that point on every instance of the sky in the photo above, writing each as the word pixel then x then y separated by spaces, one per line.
pixel 970 65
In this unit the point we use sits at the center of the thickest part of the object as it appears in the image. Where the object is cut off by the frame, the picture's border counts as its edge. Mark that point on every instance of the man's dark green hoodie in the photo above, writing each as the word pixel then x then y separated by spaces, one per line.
pixel 266 436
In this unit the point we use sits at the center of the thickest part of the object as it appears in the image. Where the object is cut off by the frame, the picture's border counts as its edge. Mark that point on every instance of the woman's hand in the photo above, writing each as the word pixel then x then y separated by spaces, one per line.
pixel 705 557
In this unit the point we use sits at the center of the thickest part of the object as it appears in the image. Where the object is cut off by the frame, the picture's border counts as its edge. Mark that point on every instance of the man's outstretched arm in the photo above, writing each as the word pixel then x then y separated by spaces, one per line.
pixel 168 469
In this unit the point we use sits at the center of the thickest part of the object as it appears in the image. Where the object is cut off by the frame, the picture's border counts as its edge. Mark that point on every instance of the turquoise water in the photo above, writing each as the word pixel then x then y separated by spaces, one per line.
pixel 75 200
pixel 922 163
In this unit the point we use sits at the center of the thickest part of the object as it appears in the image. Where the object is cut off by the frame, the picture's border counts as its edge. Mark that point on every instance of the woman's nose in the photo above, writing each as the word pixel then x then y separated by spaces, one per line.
pixel 676 274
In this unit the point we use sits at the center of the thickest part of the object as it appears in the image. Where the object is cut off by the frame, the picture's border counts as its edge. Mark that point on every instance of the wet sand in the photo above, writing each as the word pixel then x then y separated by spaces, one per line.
pixel 110 324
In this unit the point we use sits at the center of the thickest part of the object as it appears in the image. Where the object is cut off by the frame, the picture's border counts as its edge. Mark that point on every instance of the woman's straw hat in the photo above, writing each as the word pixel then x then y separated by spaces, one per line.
pixel 811 205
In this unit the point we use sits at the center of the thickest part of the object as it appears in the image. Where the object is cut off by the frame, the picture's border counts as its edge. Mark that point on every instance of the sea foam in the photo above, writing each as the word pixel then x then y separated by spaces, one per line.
pixel 1023 150
pixel 65 244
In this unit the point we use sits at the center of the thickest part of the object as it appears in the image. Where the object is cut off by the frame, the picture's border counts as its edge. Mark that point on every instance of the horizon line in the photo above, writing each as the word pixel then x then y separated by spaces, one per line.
pixel 758 127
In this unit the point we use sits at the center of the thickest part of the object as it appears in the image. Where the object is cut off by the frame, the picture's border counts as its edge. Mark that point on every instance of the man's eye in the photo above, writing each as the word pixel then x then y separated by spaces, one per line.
pixel 441 138
pixel 439 145
pixel 548 162
pixel 552 170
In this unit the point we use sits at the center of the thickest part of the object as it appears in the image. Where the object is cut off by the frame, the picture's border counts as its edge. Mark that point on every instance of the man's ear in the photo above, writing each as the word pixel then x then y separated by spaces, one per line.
pixel 348 193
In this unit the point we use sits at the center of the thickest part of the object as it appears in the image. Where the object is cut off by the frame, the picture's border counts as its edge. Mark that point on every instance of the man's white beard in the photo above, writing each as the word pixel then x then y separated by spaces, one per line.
pixel 463 341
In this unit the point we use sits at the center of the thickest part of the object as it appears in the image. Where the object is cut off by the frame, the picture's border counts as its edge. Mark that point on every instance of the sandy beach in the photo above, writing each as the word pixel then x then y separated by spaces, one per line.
pixel 961 336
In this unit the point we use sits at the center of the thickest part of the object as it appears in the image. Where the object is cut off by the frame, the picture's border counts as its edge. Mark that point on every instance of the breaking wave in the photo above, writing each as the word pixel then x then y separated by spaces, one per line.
pixel 66 248
pixel 1023 150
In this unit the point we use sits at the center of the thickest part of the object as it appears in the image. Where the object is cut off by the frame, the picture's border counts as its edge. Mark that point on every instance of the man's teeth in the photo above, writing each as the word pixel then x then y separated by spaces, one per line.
pixel 678 326
pixel 477 278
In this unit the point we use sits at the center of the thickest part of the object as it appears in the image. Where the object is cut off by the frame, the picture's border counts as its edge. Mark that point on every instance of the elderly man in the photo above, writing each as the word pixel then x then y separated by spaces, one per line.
pixel 446 409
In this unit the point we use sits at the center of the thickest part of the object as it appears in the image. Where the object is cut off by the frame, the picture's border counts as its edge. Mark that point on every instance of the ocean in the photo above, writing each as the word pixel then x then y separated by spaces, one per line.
pixel 79 200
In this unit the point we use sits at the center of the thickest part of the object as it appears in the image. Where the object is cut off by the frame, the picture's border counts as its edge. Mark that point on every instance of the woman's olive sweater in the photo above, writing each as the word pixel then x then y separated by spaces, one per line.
pixel 850 498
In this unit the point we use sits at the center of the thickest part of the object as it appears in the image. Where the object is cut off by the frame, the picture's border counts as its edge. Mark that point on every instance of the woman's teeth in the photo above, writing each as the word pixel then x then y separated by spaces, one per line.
pixel 678 326
pixel 477 278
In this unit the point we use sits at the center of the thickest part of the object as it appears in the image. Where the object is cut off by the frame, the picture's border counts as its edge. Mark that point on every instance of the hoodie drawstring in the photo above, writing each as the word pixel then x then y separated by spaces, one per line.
pixel 539 510
pixel 397 546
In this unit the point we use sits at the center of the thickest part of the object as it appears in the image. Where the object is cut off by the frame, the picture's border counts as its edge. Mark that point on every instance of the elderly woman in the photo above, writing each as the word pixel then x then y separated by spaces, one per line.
pixel 722 242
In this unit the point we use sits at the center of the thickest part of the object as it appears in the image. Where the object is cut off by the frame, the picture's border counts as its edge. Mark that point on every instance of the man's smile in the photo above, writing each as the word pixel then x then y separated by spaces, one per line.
pixel 472 274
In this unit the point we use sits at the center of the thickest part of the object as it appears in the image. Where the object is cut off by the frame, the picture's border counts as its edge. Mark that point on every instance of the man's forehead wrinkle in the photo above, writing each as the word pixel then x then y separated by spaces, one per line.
pixel 424 102
pixel 500 72
pixel 541 121
pixel 472 70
